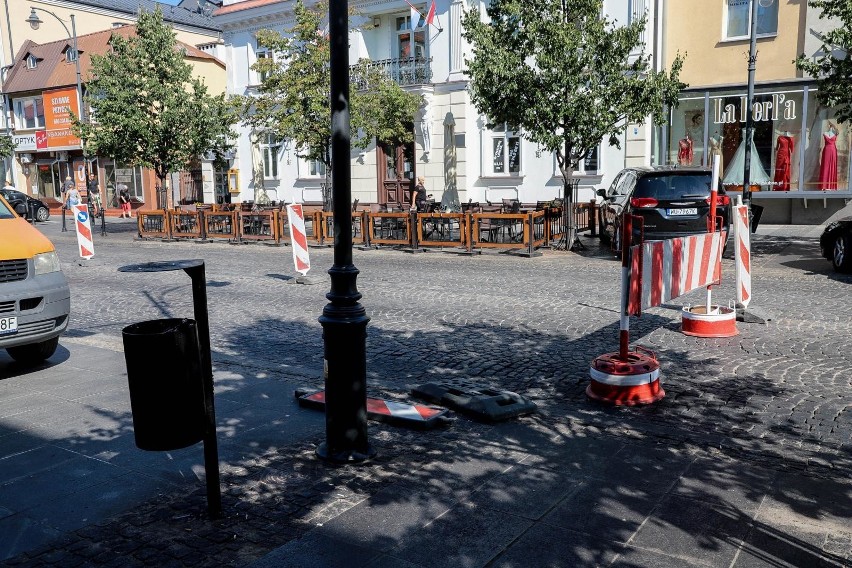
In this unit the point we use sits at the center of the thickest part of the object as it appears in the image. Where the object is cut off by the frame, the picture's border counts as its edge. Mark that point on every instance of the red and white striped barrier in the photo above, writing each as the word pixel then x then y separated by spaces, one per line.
pixel 742 254
pixel 84 231
pixel 299 238
pixel 416 416
pixel 663 270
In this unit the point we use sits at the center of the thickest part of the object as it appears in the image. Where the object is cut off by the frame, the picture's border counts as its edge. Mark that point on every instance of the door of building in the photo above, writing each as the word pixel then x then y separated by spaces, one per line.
pixel 396 173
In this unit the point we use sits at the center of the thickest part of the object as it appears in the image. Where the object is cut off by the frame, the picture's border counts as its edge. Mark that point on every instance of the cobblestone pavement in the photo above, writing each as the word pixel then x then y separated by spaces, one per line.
pixel 776 396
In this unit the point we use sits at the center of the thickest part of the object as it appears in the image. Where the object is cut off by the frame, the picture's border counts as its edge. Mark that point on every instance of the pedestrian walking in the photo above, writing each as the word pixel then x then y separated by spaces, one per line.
pixel 66 187
pixel 72 197
pixel 124 201
pixel 418 196
pixel 93 188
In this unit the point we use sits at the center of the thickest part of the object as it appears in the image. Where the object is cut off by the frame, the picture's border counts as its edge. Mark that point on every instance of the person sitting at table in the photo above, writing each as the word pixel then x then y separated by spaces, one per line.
pixel 418 196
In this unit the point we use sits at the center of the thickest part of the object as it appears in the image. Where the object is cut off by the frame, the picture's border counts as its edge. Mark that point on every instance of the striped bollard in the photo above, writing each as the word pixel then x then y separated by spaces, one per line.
pixel 84 231
pixel 299 238
pixel 742 253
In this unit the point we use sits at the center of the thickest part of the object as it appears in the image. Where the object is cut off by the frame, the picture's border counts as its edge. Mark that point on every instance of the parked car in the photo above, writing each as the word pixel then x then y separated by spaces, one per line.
pixel 836 244
pixel 674 202
pixel 35 301
pixel 23 204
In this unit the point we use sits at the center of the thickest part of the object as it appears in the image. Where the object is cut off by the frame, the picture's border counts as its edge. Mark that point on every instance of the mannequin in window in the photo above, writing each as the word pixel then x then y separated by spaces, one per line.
pixel 828 158
pixel 715 143
pixel 684 151
pixel 783 161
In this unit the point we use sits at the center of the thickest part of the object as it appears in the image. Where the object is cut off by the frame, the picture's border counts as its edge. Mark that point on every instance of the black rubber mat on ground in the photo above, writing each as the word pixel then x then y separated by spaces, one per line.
pixel 475 401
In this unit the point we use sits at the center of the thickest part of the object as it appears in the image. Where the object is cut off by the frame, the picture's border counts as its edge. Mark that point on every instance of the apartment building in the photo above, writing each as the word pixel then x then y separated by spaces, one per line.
pixel 454 149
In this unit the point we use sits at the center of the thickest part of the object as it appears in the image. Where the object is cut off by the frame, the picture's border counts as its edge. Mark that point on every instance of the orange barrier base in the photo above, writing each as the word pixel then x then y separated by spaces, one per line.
pixel 720 322
pixel 629 382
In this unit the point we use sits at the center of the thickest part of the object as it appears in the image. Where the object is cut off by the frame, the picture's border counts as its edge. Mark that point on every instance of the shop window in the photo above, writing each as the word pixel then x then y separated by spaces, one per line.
pixel 120 174
pixel 738 18
pixel 827 149
pixel 590 165
pixel 270 147
pixel 29 113
pixel 504 145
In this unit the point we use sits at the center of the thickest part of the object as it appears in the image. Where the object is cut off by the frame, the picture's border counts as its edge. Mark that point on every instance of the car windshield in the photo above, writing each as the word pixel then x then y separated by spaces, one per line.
pixel 4 211
pixel 673 186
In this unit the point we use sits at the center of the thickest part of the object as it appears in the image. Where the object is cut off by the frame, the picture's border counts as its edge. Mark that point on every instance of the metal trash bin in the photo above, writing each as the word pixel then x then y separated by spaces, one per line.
pixel 166 390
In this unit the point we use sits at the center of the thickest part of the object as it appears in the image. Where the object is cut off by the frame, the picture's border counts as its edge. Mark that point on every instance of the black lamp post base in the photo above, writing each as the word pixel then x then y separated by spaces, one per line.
pixel 345 456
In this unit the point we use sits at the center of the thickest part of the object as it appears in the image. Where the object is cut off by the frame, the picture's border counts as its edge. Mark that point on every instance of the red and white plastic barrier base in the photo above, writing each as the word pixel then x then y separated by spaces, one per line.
pixel 416 416
pixel 721 321
pixel 629 382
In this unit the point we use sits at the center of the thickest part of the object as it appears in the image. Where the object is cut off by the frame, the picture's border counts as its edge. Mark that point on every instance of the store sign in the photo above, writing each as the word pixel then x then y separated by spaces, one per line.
pixel 41 139
pixel 24 142
pixel 778 107
pixel 58 105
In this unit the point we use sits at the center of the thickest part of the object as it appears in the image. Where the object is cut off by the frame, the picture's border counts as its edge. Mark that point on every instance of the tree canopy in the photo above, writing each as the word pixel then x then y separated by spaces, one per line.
pixel 148 109
pixel 292 100
pixel 833 67
pixel 563 75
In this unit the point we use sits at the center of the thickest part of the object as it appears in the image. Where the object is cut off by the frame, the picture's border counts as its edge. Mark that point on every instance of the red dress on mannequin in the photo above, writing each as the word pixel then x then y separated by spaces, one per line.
pixel 828 164
pixel 684 152
pixel 783 160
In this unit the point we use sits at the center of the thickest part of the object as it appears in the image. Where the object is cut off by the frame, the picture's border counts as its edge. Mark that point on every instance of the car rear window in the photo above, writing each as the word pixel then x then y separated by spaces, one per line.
pixel 673 186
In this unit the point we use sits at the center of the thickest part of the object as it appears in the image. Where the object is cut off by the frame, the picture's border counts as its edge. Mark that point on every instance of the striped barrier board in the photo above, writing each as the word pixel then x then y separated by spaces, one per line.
pixel 416 416
pixel 742 254
pixel 299 238
pixel 84 231
pixel 663 270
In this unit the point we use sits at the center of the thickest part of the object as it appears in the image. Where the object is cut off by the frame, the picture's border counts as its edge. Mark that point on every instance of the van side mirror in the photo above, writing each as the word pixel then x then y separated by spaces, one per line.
pixel 601 192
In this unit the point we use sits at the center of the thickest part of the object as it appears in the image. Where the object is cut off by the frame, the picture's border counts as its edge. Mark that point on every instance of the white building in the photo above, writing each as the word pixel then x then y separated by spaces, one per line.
pixel 453 148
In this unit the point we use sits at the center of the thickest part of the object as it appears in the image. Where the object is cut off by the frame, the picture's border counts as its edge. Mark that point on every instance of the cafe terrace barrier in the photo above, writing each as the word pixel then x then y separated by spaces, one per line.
pixel 528 229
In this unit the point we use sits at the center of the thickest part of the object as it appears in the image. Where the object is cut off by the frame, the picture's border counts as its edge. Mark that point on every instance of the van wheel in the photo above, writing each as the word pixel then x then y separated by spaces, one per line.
pixel 34 352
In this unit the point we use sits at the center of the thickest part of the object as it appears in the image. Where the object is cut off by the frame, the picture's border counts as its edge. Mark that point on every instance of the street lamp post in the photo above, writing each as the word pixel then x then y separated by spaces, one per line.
pixel 749 130
pixel 34 21
pixel 344 320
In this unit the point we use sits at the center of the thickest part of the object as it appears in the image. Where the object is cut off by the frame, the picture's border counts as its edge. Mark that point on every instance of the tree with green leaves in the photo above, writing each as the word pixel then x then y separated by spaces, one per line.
pixel 565 76
pixel 149 109
pixel 292 101
pixel 7 147
pixel 833 67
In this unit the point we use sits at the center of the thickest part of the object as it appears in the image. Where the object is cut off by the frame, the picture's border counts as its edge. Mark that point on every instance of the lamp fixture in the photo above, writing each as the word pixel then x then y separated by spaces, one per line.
pixel 34 21
pixel 377 21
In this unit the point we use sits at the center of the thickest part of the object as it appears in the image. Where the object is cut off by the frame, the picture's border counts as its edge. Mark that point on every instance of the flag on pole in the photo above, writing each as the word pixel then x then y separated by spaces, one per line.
pixel 415 15
pixel 430 16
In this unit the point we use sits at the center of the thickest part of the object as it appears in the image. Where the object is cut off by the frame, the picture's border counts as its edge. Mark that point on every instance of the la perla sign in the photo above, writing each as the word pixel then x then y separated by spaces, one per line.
pixel 778 107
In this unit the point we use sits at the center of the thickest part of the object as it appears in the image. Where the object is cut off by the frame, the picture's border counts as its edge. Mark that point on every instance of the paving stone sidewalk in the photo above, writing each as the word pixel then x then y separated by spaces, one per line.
pixel 744 463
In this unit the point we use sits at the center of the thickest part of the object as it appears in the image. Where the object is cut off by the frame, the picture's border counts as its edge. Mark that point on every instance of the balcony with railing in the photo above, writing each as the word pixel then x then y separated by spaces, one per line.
pixel 405 72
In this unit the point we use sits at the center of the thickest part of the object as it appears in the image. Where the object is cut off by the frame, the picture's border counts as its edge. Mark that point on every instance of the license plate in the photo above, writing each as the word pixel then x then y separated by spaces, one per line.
pixel 8 325
pixel 686 211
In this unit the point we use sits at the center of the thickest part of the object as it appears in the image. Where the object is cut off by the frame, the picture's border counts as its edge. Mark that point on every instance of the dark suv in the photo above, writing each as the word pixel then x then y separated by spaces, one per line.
pixel 673 203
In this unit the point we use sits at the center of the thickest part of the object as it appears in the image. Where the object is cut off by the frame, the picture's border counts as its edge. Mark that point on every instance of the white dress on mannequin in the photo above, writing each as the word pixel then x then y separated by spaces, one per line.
pixel 734 171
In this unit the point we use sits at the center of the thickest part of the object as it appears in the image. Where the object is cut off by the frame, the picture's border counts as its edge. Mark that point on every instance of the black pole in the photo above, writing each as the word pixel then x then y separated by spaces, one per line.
pixel 344 320
pixel 211 450
pixel 64 229
pixel 749 130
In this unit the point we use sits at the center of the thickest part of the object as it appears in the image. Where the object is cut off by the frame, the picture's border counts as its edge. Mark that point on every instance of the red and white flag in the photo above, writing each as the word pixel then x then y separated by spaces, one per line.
pixel 430 15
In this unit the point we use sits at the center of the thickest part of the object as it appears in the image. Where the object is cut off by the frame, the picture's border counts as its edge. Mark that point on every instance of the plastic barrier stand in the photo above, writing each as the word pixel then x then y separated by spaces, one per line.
pixel 415 416
pixel 480 403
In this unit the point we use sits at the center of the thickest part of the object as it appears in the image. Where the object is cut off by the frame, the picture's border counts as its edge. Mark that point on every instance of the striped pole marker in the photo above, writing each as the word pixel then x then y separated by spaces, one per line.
pixel 84 231
pixel 299 238
pixel 416 416
pixel 742 253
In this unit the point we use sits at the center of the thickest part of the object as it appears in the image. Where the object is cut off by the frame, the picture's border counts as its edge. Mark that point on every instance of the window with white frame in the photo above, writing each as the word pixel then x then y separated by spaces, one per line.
pixel 270 147
pixel 29 113
pixel 410 43
pixel 311 168
pixel 738 18
pixel 262 54
pixel 503 151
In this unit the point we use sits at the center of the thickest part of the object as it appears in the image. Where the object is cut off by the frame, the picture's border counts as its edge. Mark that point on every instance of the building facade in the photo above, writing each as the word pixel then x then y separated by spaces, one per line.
pixel 41 89
pixel 800 153
pixel 41 160
pixel 454 149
